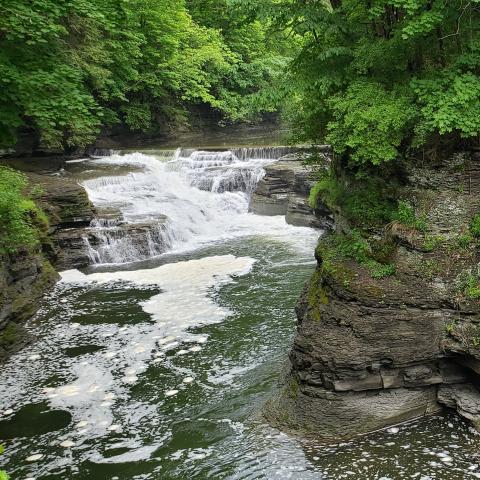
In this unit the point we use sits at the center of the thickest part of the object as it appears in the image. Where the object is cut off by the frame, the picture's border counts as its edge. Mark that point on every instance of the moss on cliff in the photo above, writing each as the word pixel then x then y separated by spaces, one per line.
pixel 22 222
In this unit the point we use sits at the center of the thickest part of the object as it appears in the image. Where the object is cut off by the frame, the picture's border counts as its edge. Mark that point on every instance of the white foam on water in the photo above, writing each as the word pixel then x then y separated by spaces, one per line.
pixel 34 458
pixel 184 302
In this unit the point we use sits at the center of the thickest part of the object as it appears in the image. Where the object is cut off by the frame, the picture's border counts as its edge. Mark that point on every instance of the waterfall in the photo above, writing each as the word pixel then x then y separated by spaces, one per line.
pixel 172 200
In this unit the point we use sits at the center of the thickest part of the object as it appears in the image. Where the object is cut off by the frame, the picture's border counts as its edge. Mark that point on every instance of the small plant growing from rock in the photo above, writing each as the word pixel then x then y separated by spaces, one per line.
pixel 468 283
pixel 431 242
pixel 466 333
pixel 450 327
pixel 472 287
pixel 475 226
pixel 407 216
pixel 355 247
pixel 3 473
pixel 464 240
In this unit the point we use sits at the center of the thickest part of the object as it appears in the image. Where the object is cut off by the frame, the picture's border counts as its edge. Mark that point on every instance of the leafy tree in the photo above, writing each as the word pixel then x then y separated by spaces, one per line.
pixel 70 67
pixel 377 78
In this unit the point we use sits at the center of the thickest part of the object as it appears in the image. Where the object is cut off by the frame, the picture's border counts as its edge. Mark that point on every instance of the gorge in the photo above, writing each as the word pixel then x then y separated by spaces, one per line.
pixel 239 239
pixel 158 359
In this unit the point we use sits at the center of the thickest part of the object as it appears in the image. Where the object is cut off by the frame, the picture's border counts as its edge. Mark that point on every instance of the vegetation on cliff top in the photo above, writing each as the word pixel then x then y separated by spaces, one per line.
pixel 383 82
pixel 378 79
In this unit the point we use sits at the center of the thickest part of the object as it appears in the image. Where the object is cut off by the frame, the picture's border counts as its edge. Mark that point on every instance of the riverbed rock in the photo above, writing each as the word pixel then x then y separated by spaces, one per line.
pixel 465 398
pixel 373 350
pixel 284 190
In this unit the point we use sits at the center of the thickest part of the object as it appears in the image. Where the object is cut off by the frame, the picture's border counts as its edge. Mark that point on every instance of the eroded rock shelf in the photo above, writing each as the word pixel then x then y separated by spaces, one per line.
pixel 372 352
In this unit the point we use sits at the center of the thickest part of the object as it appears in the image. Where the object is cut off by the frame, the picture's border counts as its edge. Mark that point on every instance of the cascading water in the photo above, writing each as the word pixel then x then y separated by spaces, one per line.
pixel 175 200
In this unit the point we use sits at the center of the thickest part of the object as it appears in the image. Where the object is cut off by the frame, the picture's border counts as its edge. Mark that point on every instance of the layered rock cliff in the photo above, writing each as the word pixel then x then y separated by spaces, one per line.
pixel 25 276
pixel 69 211
pixel 285 189
pixel 389 325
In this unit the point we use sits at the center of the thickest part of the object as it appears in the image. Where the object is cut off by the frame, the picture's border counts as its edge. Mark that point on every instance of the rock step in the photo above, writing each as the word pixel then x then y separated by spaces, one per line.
pixel 284 190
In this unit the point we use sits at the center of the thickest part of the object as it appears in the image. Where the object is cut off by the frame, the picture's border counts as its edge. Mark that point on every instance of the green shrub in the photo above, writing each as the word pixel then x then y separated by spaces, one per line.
pixel 365 202
pixel 21 221
pixel 464 240
pixel 314 195
pixel 407 216
pixel 471 287
pixel 356 247
pixel 475 226
pixel 431 242
pixel 379 270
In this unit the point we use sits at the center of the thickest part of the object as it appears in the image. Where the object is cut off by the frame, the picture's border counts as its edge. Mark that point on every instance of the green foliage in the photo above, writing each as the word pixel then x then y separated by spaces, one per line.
pixel 379 270
pixel 475 226
pixel 366 201
pixel 369 122
pixel 69 68
pixel 21 221
pixel 378 79
pixel 315 194
pixel 470 285
pixel 3 473
pixel 407 216
pixel 431 242
pixel 464 240
pixel 356 247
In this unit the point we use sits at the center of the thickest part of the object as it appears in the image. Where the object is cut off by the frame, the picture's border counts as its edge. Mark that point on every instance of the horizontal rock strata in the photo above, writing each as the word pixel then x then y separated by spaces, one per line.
pixel 285 189
pixel 371 352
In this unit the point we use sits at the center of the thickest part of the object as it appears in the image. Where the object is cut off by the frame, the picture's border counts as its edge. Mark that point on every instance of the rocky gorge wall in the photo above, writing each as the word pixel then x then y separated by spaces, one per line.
pixel 389 325
pixel 25 276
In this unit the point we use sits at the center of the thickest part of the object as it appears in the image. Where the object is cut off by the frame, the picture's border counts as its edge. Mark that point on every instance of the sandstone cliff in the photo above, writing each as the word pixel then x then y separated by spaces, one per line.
pixel 389 325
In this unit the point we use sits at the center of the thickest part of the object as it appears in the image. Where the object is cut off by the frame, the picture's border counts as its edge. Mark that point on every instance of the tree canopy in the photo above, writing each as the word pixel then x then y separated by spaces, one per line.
pixel 373 78
pixel 380 77
pixel 69 67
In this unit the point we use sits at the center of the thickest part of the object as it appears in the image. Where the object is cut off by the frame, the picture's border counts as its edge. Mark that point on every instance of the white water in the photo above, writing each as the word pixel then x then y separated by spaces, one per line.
pixel 176 201
pixel 184 302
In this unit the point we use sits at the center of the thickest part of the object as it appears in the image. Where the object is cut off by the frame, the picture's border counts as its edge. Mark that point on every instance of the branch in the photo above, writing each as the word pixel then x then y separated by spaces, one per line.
pixel 458 23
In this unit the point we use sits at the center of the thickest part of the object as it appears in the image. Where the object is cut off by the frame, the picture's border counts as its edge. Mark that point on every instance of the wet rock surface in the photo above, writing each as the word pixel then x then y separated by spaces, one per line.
pixel 371 352
pixel 70 212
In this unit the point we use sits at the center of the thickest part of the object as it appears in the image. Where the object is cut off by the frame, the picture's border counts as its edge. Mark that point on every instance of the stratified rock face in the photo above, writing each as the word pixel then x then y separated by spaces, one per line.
pixel 24 278
pixel 70 212
pixel 126 242
pixel 371 352
pixel 284 191
pixel 27 275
